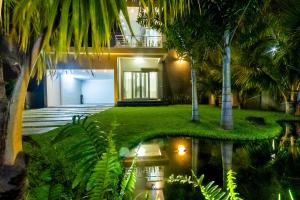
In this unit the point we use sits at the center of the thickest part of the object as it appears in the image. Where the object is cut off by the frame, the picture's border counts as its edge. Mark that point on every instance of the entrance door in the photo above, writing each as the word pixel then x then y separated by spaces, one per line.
pixel 140 85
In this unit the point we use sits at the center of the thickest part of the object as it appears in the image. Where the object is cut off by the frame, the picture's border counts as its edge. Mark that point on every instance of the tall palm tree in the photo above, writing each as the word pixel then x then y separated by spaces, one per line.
pixel 229 15
pixel 196 39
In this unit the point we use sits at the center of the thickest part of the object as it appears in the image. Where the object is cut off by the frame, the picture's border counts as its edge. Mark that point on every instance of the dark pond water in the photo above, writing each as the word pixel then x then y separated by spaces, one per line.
pixel 265 170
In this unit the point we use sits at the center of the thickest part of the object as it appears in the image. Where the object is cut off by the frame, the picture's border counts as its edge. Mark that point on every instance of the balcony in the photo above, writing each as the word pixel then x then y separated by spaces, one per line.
pixel 130 41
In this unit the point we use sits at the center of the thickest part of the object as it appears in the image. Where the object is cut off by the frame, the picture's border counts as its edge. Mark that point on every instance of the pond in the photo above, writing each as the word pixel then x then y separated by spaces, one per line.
pixel 265 169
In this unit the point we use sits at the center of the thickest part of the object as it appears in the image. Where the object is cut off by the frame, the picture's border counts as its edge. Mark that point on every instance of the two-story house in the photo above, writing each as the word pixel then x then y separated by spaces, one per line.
pixel 135 69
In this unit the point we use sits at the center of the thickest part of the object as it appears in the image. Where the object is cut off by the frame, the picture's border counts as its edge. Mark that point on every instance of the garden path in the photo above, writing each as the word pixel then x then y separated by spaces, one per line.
pixel 36 121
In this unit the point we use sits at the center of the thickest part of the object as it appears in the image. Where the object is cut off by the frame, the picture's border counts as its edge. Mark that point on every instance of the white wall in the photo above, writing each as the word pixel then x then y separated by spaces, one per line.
pixel 53 90
pixel 98 91
pixel 70 90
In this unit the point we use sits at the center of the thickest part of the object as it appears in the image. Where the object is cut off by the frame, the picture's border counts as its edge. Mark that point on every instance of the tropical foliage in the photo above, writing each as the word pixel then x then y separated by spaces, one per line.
pixel 209 191
pixel 97 164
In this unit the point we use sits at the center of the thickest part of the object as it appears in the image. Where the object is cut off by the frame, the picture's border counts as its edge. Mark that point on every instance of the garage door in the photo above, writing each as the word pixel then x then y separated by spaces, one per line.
pixel 73 87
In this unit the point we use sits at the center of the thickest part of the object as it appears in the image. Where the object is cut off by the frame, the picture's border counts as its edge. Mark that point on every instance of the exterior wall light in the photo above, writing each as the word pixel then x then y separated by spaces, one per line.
pixel 139 59
pixel 181 150
pixel 180 60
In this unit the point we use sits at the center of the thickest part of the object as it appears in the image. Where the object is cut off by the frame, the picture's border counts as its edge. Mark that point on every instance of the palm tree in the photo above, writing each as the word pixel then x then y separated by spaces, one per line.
pixel 268 61
pixel 180 39
pixel 229 15
pixel 194 38
pixel 291 19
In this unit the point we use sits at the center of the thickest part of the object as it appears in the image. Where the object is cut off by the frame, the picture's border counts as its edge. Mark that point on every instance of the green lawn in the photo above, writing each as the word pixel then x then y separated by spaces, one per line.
pixel 49 164
pixel 137 124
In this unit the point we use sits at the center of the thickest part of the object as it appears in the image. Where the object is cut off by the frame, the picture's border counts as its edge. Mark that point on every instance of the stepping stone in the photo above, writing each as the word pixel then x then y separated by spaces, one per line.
pixel 44 124
pixel 46 119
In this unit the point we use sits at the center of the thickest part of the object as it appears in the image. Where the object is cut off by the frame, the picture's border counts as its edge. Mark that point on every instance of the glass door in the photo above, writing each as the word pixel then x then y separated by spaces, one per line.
pixel 127 91
pixel 140 85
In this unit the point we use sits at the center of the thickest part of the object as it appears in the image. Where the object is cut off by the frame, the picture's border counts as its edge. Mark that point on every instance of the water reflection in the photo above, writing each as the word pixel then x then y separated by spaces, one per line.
pixel 226 151
pixel 289 139
pixel 268 168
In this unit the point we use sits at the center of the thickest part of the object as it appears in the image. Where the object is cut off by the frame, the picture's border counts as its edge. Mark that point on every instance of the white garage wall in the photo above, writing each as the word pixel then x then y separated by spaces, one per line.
pixel 53 90
pixel 98 91
pixel 70 90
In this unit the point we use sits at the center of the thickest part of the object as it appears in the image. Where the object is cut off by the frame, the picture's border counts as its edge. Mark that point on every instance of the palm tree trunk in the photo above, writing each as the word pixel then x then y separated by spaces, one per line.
pixel 3 114
pixel 13 171
pixel 226 113
pixel 13 144
pixel 195 111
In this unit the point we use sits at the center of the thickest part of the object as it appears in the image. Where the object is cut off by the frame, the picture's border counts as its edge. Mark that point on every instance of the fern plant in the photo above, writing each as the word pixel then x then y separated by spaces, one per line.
pixel 128 182
pixel 231 186
pixel 210 191
pixel 86 152
pixel 104 180
pixel 96 160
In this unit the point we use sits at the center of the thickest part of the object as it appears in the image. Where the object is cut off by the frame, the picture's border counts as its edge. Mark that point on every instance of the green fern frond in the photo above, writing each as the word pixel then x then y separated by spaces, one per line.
pixel 128 181
pixel 103 182
pixel 231 186
pixel 209 191
pixel 85 152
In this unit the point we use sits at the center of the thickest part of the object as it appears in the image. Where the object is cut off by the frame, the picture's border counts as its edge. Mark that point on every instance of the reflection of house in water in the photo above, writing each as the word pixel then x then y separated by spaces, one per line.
pixel 157 161
pixel 150 170
pixel 160 158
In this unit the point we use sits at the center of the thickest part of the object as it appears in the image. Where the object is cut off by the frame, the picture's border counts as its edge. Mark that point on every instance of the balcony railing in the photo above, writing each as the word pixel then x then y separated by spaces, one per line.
pixel 138 41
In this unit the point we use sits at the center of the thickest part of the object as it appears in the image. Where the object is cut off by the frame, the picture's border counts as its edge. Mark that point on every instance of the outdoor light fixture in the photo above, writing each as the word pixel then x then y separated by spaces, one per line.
pixel 181 150
pixel 139 59
pixel 141 151
pixel 180 60
pixel 273 49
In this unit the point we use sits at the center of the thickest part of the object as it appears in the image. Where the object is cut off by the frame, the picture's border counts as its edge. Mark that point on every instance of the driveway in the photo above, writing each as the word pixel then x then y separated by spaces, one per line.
pixel 36 121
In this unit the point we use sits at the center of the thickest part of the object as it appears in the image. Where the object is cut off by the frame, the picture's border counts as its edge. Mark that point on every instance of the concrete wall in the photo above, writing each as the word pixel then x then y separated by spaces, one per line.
pixel 177 78
pixel 70 90
pixel 53 90
pixel 98 91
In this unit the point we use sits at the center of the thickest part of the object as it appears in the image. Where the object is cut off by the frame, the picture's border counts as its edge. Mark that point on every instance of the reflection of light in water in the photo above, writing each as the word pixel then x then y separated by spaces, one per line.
pixel 181 150
pixel 141 151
